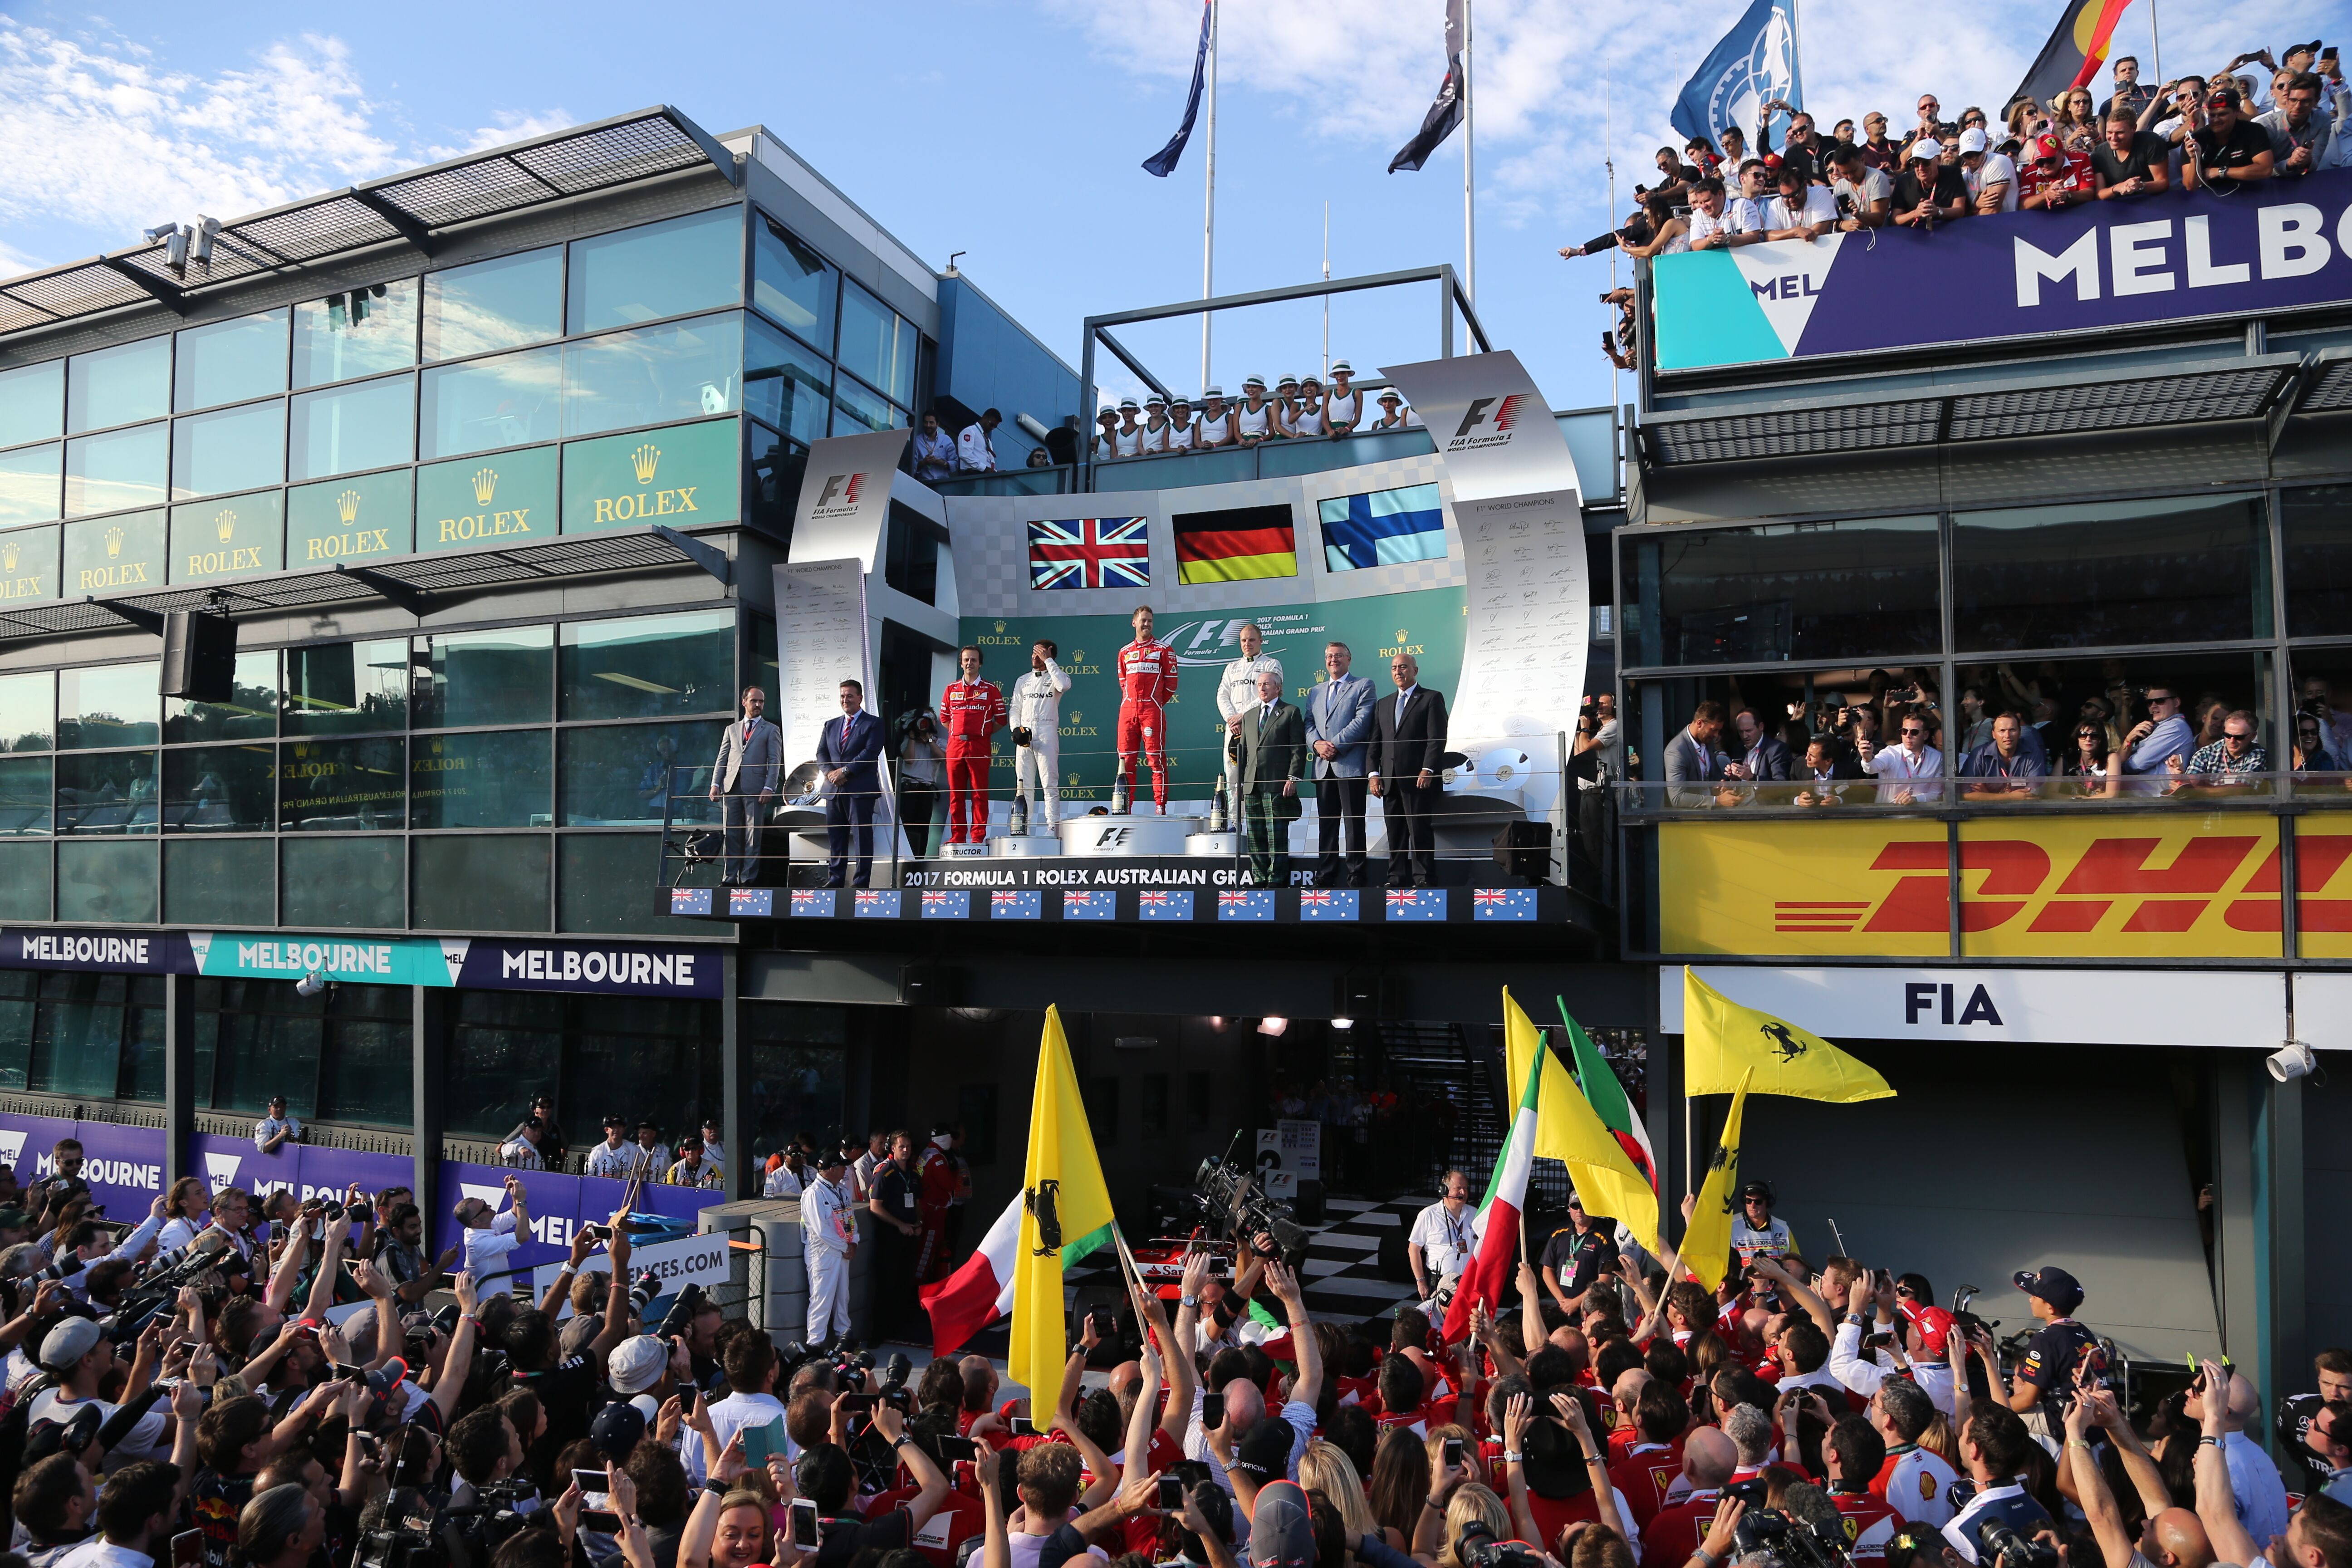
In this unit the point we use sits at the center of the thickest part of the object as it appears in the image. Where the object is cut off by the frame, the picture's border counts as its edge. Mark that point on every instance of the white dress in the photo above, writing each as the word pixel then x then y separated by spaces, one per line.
pixel 1258 422
pixel 1310 419
pixel 1344 410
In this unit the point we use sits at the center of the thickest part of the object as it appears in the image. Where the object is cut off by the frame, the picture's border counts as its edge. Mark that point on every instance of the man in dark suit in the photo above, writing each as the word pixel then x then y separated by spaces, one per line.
pixel 1408 737
pixel 847 749
pixel 1274 755
pixel 1764 757
pixel 744 778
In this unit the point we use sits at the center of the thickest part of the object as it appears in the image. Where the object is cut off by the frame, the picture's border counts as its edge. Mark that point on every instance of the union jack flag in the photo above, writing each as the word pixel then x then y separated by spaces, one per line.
pixel 946 903
pixel 1326 904
pixel 1098 905
pixel 1503 904
pixel 1091 553
pixel 1014 904
pixel 1416 903
pixel 813 901
pixel 1246 904
pixel 1159 906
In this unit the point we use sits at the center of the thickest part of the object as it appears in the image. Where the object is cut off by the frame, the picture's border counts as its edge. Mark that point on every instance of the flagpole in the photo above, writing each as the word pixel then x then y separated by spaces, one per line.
pixel 1469 189
pixel 1209 216
pixel 1327 277
pixel 2155 42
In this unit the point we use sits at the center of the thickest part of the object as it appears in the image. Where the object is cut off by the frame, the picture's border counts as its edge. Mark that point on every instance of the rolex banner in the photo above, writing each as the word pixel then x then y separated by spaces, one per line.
pixel 1516 501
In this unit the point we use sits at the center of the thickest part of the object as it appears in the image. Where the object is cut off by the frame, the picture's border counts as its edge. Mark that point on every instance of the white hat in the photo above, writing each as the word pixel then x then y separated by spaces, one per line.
pixel 1256 381
pixel 1214 394
pixel 1342 367
pixel 1179 400
pixel 1125 404
pixel 1110 411
pixel 1390 395
pixel 1287 381
pixel 1155 400
pixel 1927 147
pixel 636 1363
pixel 1973 139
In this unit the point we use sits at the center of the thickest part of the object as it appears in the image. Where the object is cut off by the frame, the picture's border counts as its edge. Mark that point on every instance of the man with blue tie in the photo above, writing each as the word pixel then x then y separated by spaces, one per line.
pixel 848 750
pixel 1338 723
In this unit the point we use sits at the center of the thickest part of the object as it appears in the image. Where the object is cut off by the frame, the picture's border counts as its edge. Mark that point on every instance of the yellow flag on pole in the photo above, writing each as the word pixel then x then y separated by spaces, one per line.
pixel 1706 1245
pixel 1723 1041
pixel 1568 1129
pixel 1065 1214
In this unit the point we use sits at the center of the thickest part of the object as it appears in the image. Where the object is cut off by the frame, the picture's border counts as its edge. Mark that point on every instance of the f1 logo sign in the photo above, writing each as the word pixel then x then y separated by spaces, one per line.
pixel 1111 837
pixel 843 487
pixel 1507 413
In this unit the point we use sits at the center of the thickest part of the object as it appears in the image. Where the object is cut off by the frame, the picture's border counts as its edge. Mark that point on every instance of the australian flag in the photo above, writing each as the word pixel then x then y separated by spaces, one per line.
pixel 1328 903
pixel 946 903
pixel 1163 162
pixel 1100 904
pixel 875 903
pixel 1245 904
pixel 1503 904
pixel 758 903
pixel 813 901
pixel 1416 903
pixel 689 900
pixel 1165 906
pixel 1091 553
pixel 1015 904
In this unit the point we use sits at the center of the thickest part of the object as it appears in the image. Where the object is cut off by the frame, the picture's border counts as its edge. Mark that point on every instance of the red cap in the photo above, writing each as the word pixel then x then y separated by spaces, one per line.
pixel 1934 1326
pixel 2046 145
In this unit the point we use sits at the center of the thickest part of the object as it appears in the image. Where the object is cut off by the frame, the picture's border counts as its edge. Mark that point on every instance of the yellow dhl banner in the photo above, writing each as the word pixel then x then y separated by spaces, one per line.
pixel 2149 886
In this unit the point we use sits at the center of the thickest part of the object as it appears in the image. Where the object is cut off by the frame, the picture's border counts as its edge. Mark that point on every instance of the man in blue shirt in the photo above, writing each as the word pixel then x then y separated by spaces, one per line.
pixel 2004 766
pixel 2164 734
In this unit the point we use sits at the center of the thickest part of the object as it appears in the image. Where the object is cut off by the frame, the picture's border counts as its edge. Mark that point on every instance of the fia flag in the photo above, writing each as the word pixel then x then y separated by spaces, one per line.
pixel 1163 162
pixel 1755 63
pixel 2076 50
pixel 1446 110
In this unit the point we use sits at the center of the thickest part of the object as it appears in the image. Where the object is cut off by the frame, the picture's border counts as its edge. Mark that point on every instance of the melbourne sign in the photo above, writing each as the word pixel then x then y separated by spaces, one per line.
pixel 2282 245
pixel 2202 885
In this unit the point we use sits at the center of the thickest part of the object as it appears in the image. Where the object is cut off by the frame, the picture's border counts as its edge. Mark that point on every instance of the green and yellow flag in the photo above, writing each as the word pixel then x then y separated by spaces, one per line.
pixel 1569 1130
pixel 1723 1042
pixel 1706 1245
pixel 1065 1214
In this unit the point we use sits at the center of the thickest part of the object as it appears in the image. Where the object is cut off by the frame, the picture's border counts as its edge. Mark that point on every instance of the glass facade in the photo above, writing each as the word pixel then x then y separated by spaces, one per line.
pixel 229 362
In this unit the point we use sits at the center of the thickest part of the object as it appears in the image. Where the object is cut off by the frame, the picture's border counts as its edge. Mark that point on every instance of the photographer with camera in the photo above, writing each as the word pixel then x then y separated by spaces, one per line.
pixel 489 1237
pixel 1998 1523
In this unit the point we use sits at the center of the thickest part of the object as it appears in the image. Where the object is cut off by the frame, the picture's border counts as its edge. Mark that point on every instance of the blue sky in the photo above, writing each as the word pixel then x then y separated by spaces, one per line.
pixel 1012 130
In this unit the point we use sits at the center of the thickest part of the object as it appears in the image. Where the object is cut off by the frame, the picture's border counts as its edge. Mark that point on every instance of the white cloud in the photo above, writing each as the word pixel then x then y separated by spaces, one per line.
pixel 104 140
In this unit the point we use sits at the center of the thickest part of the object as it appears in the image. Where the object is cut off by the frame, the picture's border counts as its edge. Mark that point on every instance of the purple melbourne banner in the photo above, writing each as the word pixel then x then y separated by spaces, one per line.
pixel 123 1166
pixel 26 1143
pixel 235 1162
pixel 623 968
pixel 328 1172
pixel 111 952
pixel 2281 245
pixel 552 1200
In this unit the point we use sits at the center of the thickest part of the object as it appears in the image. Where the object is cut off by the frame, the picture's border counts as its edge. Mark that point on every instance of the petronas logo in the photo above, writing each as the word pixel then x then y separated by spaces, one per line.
pixel 645 459
pixel 346 507
pixel 486 485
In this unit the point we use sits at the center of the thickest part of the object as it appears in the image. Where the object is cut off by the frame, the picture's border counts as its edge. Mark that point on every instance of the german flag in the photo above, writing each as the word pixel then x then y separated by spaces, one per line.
pixel 1235 544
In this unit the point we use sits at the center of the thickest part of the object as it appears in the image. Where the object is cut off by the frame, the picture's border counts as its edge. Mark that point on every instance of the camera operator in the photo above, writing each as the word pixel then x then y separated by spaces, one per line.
pixel 1993 1447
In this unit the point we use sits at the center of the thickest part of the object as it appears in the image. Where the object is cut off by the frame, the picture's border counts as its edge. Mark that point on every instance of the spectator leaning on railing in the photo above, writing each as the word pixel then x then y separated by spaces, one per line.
pixel 277 1128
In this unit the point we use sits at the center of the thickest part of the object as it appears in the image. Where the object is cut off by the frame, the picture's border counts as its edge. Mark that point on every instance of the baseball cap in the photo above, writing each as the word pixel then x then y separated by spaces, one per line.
pixel 1934 1324
pixel 1973 139
pixel 2045 147
pixel 2049 1282
pixel 2220 97
pixel 72 1340
pixel 1927 150
pixel 1265 1452
pixel 616 1429
pixel 14 1219
pixel 1282 1533
pixel 636 1363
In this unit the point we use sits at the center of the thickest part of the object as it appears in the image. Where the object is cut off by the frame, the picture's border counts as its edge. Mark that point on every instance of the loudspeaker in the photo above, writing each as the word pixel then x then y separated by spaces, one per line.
pixel 199 657
pixel 1523 849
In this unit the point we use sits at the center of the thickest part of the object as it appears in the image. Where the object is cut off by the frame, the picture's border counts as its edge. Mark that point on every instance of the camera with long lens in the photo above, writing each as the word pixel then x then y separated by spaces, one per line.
pixel 1247 1219
pixel 2000 1544
pixel 1786 1537
pixel 1476 1546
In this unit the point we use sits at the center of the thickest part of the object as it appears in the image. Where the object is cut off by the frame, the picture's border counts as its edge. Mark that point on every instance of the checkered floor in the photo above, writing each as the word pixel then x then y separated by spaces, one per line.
pixel 1343 1271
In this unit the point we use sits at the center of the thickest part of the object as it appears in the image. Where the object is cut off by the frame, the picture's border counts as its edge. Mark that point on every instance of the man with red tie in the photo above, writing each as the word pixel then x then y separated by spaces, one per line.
pixel 971 711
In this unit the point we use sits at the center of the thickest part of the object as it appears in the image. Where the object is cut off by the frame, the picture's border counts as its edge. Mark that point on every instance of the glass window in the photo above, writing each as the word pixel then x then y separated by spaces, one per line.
pixel 77 1035
pixel 792 282
pixel 643 1053
pixel 649 667
pixel 1782 590
pixel 784 383
pixel 508 1045
pixel 2315 525
pixel 2183 568
pixel 773 468
pixel 601 880
pixel 501 303
pixel 370 426
pixel 105 882
pixel 877 343
pixel 857 409
pixel 30 483
pixel 364 1075
pixel 484 778
pixel 615 774
pixel 347 688
pixel 626 379
pixel 481 881
pixel 250 711
pixel 141 1075
pixel 258 1053
pixel 509 401
pixel 119 385
pixel 795 1089
pixel 107 792
pixel 342 881
pixel 120 468
pixel 222 881
pixel 24 797
pixel 28 711
pixel 17 1008
pixel 358 334
pixel 218 789
pixel 660 269
pixel 503 676
pixel 32 403
pixel 107 705
pixel 2323 711
pixel 229 362
pixel 229 449
pixel 25 895
pixel 342 786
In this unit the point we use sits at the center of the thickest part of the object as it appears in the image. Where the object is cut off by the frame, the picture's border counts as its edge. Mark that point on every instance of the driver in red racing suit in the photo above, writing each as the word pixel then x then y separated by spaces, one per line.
pixel 1146 684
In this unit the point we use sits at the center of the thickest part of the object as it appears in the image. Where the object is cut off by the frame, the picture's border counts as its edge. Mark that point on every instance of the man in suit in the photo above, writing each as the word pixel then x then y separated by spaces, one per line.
pixel 1274 755
pixel 848 748
pixel 1408 737
pixel 1691 756
pixel 1764 757
pixel 1338 723
pixel 750 761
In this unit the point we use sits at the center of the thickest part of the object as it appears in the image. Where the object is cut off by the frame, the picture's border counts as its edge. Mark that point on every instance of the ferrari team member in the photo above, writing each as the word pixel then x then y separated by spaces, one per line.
pixel 1037 709
pixel 971 711
pixel 935 1192
pixel 1146 684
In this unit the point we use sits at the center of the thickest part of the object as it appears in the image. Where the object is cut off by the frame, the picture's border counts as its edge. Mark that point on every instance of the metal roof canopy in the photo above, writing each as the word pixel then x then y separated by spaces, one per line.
pixel 408 581
pixel 2006 408
pixel 413 207
pixel 2327 389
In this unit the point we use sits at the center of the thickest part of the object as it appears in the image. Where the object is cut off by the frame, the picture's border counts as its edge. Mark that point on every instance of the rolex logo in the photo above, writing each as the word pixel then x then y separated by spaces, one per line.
pixel 1400 633
pixel 225 524
pixel 1077 717
pixel 1000 626
pixel 1078 655
pixel 645 459
pixel 8 556
pixel 486 485
pixel 113 542
pixel 346 507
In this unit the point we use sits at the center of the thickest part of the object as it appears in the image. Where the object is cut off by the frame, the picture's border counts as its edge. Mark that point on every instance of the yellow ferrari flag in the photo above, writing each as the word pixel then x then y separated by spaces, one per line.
pixel 1722 1040
pixel 1706 1245
pixel 1065 1214
pixel 1569 1130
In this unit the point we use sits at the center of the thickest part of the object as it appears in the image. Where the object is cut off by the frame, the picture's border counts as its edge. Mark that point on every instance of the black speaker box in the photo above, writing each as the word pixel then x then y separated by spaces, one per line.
pixel 199 657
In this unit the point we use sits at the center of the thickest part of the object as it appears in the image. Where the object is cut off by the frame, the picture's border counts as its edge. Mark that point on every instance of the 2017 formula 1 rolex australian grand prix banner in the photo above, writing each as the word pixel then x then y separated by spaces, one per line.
pixel 2279 244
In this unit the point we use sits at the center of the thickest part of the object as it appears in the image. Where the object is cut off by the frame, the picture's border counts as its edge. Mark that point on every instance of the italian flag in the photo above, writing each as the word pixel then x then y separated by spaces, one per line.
pixel 980 1293
pixel 1607 1097
pixel 1490 1278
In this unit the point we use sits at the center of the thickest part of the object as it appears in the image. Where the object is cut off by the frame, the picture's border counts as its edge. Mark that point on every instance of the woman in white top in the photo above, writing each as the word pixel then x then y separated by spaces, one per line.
pixel 1129 439
pixel 1106 443
pixel 1391 418
pixel 1155 425
pixel 1217 427
pixel 1179 426
pixel 1255 418
pixel 1286 407
pixel 184 1213
pixel 1308 420
pixel 1343 410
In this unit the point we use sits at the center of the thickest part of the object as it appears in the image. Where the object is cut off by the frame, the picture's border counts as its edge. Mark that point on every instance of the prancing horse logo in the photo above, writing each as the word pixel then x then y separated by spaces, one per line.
pixel 1788 1046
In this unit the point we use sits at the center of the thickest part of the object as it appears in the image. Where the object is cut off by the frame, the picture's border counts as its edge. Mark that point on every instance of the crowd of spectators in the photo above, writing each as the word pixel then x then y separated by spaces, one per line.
pixel 2216 133
pixel 1300 408
pixel 2014 735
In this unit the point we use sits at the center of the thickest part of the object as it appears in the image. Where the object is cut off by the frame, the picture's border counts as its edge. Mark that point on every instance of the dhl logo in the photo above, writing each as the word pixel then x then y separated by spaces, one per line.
pixel 2021 885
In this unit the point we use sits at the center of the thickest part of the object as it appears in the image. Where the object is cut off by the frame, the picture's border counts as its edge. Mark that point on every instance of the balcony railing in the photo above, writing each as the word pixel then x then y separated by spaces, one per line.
pixel 1985 796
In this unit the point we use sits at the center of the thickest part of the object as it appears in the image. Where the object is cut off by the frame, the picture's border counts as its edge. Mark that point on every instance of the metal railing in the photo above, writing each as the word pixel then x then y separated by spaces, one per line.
pixel 1985 796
